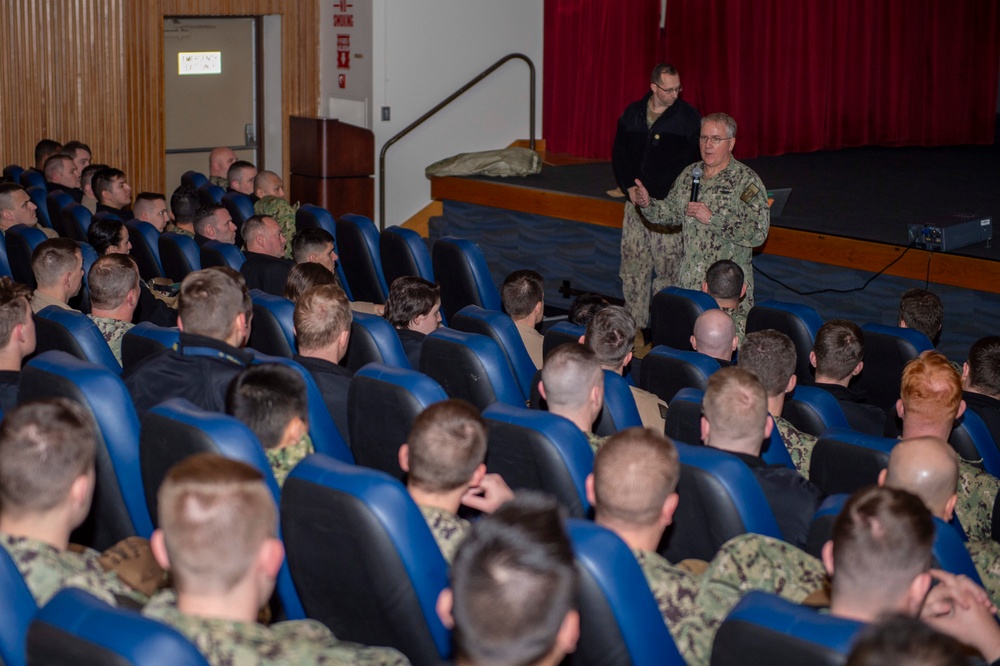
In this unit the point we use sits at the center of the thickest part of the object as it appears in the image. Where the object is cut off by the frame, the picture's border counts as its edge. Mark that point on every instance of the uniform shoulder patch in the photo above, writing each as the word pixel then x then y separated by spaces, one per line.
pixel 749 193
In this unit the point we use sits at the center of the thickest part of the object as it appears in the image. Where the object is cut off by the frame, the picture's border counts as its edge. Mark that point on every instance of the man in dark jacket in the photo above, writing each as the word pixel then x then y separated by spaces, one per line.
pixel 657 137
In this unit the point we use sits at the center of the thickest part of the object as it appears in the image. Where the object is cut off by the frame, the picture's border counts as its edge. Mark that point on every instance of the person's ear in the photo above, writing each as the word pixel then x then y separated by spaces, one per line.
pixel 917 592
pixel 133 297
pixel 582 339
pixel 82 489
pixel 404 457
pixel 669 508
pixel 792 381
pixel 694 343
pixel 159 548
pixel 541 386
pixel 444 606
pixel 768 427
pixel 292 432
pixel 569 633
pixel 736 344
pixel 589 485
pixel 628 358
pixel 704 287
pixel 812 359
pixel 858 368
pixel 743 291
pixel 881 476
pixel 949 508
pixel 706 428
pixel 827 557
pixel 270 557
pixel 180 324
pixel 900 411
pixel 965 371
pixel 961 409
pixel 477 475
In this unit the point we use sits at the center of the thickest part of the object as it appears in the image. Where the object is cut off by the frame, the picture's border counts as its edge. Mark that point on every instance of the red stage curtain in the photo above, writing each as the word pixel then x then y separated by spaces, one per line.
pixel 598 55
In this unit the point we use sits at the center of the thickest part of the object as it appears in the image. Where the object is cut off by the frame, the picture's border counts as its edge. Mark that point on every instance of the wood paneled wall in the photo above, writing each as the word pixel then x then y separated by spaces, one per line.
pixel 92 70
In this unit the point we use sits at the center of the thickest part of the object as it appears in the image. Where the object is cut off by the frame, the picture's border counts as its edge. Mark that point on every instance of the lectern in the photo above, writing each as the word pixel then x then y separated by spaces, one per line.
pixel 332 165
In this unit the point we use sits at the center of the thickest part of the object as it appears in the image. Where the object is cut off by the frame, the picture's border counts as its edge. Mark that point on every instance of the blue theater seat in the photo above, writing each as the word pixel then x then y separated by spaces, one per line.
pixel 471 367
pixel 561 333
pixel 973 441
pixel 501 328
pixel 217 253
pixel 665 371
pixel 309 216
pixel 273 329
pixel 240 208
pixel 21 243
pixel 144 340
pixel 74 333
pixel 145 250
pixel 209 194
pixel 673 312
pixel 813 411
pixel 464 277
pixel 619 411
pixel 18 610
pixel 179 255
pixel 193 179
pixel 799 322
pixel 373 340
pixel 845 460
pixel 75 222
pixel 404 252
pixel 357 245
pixel 887 351
pixel 54 203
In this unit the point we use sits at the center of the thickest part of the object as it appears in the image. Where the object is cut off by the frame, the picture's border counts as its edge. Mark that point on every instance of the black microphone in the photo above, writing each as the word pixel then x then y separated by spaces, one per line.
pixel 695 182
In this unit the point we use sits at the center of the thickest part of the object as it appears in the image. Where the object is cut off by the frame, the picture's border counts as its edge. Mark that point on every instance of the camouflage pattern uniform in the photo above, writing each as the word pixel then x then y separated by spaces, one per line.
pixel 283 461
pixel 977 492
pixel 740 319
pixel 221 181
pixel 986 556
pixel 651 255
pixel 800 445
pixel 283 213
pixel 233 643
pixel 113 331
pixel 676 593
pixel 173 228
pixel 47 570
pixel 595 441
pixel 740 222
pixel 448 529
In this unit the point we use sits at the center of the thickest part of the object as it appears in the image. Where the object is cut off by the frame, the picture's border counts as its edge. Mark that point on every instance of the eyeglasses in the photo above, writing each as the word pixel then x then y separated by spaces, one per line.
pixel 714 140
pixel 670 91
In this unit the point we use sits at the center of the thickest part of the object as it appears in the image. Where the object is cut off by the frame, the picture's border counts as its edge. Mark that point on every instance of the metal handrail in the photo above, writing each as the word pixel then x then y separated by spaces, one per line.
pixel 448 100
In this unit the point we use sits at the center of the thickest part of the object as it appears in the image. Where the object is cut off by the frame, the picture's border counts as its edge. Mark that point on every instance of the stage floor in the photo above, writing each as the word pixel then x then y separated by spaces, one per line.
pixel 868 193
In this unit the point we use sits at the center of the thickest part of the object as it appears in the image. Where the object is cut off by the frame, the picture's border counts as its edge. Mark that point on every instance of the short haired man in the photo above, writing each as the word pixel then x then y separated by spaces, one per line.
pixel 315 246
pixel 516 564
pixel 611 336
pixel 922 311
pixel 113 193
pixel 219 161
pixel 838 356
pixel 79 152
pixel 981 382
pixel 584 307
pixel 715 335
pixel 62 175
pixel 213 222
pixel 47 454
pixel 771 356
pixel 17 338
pixel 114 295
pixel 283 213
pixel 929 402
pixel 183 205
pixel 322 321
pixel 271 400
pixel 87 186
pixel 657 137
pixel 240 176
pixel 523 296
pixel 16 207
pixel 218 537
pixel 151 207
pixel 58 267
pixel 573 387
pixel 444 459
pixel 724 282
pixel 900 639
pixel 45 149
pixel 413 307
pixel 214 324
pixel 268 184
pixel 265 267
pixel 735 419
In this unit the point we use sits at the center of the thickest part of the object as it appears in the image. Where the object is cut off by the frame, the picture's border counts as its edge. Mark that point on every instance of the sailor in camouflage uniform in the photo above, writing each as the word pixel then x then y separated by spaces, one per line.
pixel 212 510
pixel 444 462
pixel 731 214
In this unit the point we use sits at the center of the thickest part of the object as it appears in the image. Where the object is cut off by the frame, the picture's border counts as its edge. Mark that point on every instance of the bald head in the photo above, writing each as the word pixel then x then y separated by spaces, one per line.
pixel 219 161
pixel 926 467
pixel 268 184
pixel 715 335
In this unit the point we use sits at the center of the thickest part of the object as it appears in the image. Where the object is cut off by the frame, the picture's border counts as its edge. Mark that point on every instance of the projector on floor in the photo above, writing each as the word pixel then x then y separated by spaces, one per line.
pixel 945 233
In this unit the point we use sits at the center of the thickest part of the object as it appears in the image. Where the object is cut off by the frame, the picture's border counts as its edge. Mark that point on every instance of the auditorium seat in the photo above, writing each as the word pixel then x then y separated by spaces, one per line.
pixel 684 416
pixel 209 194
pixel 665 371
pixel 12 173
pixel 145 240
pixel 39 197
pixel 144 340
pixel 764 629
pixel 673 312
pixel 179 255
pixel 82 300
pixel 471 367
pixel 620 622
pixel 464 277
pixel 404 252
pixel 373 340
pixel 561 333
pixel 240 208
pixel 75 222
pixel 32 178
pixel 501 328
pixel 54 203
pixel 536 450
pixel 309 216
pixel 119 506
pixel 797 321
pixel 193 179
pixel 845 460
pixel 974 443
pixel 19 608
pixel 4 263
pixel 272 330
pixel 887 351
pixel 217 253
pixel 619 411
pixel 21 242
pixel 364 561
pixel 357 245
pixel 77 629
pixel 813 411
pixel 74 333
pixel 384 401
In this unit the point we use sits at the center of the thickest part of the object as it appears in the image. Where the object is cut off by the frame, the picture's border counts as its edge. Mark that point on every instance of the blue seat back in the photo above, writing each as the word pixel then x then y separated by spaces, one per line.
pixel 309 216
pixel 721 500
pixel 32 178
pixel 469 366
pixel 357 245
pixel 619 411
pixel 119 507
pixel 887 350
pixel 560 333
pixel 665 371
pixel 209 194
pixel 240 208
pixel 4 263
pixel 774 451
pixel 144 340
pixel 176 429
pixel 77 629
pixel 179 255
pixel 217 253
pixel 18 609
pixel 620 622
pixel 145 250
pixel 973 441
pixel 385 400
pixel 193 179
pixel 363 559
pixel 464 276
pixel 76 222
pixel 39 197
pixel 673 312
pixel 766 629
pixel 323 431
pixel 404 252
pixel 373 340
pixel 799 322
pixel 273 329
pixel 537 450
pixel 21 243
pixel 54 203
pixel 74 333
pixel 684 416
pixel 813 410
pixel 845 460
pixel 500 327
pixel 12 173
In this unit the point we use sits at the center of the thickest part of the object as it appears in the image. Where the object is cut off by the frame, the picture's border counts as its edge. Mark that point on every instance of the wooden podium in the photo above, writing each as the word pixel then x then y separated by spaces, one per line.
pixel 332 165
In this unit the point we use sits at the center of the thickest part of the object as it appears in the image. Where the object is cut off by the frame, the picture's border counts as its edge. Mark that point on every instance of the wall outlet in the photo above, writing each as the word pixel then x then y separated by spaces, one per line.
pixel 385 114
